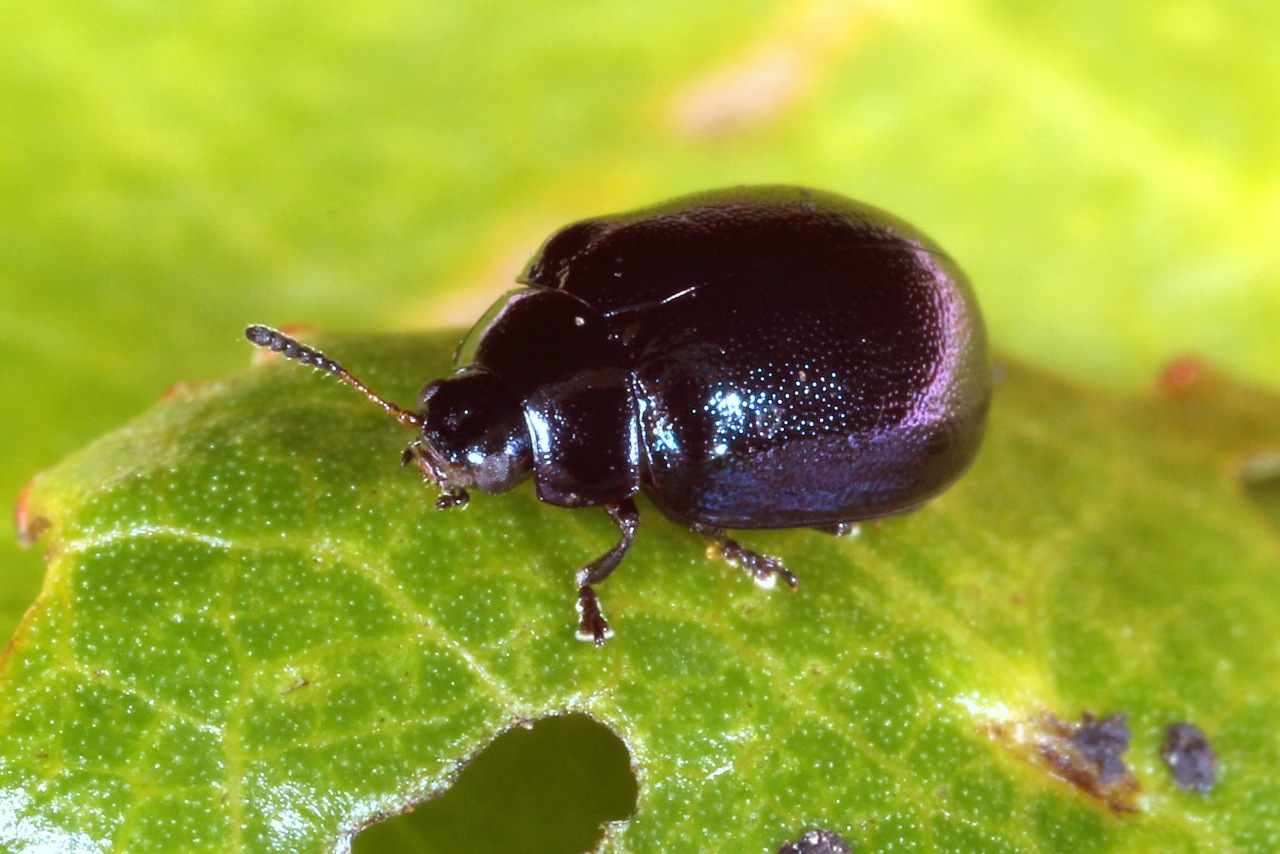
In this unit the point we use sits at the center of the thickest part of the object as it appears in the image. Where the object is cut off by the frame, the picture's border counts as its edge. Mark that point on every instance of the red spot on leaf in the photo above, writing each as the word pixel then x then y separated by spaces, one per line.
pixel 1182 376
pixel 30 525
pixel 178 389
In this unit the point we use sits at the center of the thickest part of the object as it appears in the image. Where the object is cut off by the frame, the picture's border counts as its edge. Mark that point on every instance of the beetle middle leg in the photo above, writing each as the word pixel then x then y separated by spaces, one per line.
pixel 593 626
pixel 764 570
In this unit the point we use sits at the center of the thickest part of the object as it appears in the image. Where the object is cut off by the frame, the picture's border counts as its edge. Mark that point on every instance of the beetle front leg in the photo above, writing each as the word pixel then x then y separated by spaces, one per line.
pixel 764 570
pixel 593 626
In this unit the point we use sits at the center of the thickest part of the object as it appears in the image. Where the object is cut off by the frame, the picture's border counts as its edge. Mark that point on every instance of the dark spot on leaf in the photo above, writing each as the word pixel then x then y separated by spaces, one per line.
pixel 817 842
pixel 1102 743
pixel 1190 758
pixel 546 786
pixel 1088 755
pixel 300 682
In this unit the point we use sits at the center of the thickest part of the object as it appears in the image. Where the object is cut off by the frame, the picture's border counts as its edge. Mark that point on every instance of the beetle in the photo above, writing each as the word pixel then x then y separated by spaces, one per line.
pixel 748 357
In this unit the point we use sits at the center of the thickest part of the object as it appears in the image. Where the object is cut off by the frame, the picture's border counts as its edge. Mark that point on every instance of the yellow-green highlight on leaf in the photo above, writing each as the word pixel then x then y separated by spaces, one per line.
pixel 257 634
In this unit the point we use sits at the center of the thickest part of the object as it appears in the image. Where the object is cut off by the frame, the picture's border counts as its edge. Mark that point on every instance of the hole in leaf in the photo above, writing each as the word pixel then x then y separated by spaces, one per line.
pixel 1260 477
pixel 544 790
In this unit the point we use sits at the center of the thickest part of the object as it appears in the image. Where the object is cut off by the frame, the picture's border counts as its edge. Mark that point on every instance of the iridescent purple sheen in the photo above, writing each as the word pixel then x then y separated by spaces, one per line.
pixel 795 358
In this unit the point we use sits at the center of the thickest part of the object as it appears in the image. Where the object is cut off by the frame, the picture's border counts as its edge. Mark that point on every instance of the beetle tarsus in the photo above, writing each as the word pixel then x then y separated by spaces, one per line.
pixel 764 570
pixel 452 498
pixel 593 626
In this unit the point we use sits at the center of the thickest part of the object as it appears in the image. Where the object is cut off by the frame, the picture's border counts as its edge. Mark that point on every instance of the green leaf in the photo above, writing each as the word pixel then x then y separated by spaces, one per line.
pixel 168 173
pixel 257 633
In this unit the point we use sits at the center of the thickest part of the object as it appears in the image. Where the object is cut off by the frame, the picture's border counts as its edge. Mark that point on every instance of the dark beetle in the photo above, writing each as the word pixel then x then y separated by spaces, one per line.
pixel 755 357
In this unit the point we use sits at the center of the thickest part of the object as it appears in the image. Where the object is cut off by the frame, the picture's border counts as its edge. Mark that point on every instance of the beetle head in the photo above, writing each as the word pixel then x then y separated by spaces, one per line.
pixel 472 431
pixel 473 435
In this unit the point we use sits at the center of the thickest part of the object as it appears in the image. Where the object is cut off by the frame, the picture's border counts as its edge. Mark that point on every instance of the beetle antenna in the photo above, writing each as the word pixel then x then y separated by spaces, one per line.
pixel 290 348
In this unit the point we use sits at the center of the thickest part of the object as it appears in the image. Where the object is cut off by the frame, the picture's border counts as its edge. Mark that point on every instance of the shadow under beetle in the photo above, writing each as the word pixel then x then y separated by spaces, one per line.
pixel 752 357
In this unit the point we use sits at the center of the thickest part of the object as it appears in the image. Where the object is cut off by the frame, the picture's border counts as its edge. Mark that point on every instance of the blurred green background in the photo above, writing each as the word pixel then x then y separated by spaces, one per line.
pixel 1107 172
